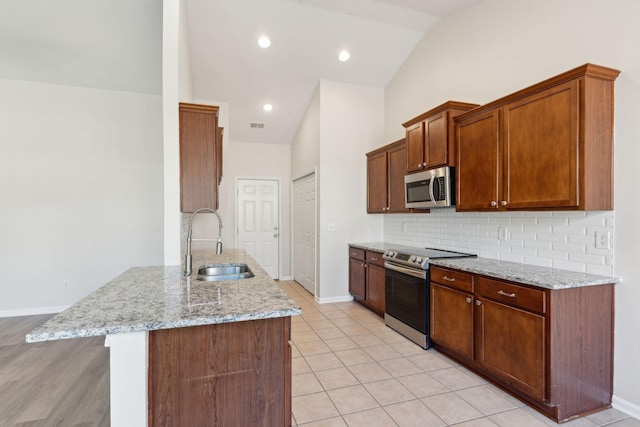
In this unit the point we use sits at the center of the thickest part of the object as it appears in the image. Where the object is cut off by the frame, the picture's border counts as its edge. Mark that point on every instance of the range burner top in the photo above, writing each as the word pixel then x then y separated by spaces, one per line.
pixel 419 258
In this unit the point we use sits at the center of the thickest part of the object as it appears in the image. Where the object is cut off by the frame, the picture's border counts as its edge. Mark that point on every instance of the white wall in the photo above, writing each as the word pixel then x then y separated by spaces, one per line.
pixel 305 147
pixel 185 81
pixel 351 124
pixel 171 145
pixel 262 161
pixel 500 46
pixel 81 191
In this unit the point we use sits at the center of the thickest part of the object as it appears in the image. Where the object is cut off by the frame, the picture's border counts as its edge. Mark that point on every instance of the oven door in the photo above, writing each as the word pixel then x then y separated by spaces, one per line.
pixel 407 296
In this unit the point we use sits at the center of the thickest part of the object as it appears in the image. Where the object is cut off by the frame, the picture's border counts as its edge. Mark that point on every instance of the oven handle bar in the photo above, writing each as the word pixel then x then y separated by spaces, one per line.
pixel 421 274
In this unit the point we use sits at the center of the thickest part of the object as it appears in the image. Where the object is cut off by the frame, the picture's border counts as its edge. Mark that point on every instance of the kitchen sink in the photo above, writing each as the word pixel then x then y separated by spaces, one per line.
pixel 218 272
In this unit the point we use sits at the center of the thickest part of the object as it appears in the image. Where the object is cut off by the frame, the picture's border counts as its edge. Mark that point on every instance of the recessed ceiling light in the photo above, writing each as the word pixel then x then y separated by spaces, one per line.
pixel 264 42
pixel 267 107
pixel 344 56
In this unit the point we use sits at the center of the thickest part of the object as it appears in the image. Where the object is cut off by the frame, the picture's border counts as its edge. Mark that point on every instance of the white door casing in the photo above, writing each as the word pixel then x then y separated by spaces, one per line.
pixel 304 226
pixel 258 227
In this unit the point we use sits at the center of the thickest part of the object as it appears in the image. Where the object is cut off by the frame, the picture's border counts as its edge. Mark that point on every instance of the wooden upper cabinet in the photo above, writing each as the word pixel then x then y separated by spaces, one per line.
pixel 397 162
pixel 430 137
pixel 478 163
pixel 549 146
pixel 377 189
pixel 385 178
pixel 200 162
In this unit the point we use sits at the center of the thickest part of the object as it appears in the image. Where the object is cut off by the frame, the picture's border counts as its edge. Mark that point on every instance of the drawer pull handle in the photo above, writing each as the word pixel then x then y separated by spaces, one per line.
pixel 449 279
pixel 469 300
pixel 501 292
pixel 374 259
pixel 354 253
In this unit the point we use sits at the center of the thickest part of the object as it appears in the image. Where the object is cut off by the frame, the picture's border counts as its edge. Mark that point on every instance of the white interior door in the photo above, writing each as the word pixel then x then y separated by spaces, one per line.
pixel 304 226
pixel 258 228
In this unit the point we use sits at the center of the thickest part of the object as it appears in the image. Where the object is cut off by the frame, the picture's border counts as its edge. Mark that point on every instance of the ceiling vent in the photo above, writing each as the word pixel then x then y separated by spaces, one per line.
pixel 257 125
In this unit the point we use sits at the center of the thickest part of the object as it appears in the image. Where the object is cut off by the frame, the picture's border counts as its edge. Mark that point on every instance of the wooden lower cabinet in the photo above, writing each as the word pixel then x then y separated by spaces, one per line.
pixel 367 278
pixel 452 319
pixel 553 349
pixel 511 345
pixel 221 375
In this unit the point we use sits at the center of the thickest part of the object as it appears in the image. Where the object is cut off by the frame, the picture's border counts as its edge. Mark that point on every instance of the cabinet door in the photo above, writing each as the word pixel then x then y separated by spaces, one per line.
pixel 377 183
pixel 477 163
pixel 397 169
pixel 375 288
pixel 436 150
pixel 511 344
pixel 540 161
pixel 357 278
pixel 452 320
pixel 415 147
pixel 198 157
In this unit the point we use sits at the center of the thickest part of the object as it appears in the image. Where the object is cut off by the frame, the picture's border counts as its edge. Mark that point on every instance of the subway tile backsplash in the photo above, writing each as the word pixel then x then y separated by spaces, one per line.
pixel 559 239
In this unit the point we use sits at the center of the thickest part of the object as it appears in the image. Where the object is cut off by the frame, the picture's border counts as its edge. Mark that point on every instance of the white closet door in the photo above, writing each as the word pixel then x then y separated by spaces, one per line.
pixel 304 225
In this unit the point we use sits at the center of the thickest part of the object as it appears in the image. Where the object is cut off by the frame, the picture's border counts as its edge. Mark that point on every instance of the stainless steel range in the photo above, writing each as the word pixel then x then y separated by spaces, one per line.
pixel 407 290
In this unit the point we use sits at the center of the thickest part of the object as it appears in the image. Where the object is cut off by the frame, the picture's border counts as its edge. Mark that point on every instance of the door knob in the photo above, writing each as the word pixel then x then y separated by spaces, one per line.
pixel 275 235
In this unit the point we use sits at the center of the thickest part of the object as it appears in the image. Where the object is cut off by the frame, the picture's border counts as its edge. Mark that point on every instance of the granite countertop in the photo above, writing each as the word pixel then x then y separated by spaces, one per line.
pixel 543 277
pixel 160 297
pixel 379 246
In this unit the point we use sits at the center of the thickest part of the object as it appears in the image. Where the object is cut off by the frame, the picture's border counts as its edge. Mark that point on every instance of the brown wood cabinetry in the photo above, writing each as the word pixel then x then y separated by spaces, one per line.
pixel 551 348
pixel 200 156
pixel 367 278
pixel 430 137
pixel 549 146
pixel 385 179
pixel 221 375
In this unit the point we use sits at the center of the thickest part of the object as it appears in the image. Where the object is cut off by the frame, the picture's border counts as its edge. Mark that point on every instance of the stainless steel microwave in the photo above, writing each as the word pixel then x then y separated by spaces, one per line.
pixel 433 188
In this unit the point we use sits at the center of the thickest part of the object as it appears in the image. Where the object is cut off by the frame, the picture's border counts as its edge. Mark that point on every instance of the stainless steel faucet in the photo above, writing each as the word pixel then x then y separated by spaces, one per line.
pixel 187 258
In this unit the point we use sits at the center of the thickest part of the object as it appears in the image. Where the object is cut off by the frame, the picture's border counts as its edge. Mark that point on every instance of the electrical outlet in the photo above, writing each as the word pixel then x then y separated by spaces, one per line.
pixel 331 226
pixel 503 233
pixel 603 240
pixel 66 284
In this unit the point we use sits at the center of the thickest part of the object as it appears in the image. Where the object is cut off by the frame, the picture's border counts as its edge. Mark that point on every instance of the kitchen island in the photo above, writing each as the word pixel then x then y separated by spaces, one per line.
pixel 184 350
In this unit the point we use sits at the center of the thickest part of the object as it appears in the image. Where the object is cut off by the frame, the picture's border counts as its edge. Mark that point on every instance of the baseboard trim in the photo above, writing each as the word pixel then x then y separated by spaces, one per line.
pixel 329 300
pixel 32 311
pixel 285 278
pixel 625 406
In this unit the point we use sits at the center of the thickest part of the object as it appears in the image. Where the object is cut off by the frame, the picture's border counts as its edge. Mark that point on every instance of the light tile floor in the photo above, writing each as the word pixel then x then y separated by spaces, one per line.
pixel 349 369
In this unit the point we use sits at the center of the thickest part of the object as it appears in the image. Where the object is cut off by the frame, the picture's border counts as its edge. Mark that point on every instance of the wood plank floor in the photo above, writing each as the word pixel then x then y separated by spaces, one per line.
pixel 55 383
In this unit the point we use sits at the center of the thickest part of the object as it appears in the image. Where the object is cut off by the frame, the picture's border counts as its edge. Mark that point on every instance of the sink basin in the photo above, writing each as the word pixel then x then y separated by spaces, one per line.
pixel 218 272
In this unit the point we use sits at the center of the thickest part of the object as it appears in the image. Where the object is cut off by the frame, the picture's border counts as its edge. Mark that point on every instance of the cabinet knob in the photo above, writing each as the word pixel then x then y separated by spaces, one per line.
pixel 503 203
pixel 424 164
pixel 469 300
pixel 420 165
pixel 494 203
pixel 478 302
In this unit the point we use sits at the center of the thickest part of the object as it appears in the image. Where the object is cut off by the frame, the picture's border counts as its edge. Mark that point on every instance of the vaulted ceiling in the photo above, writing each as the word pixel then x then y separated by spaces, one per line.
pixel 117 45
pixel 306 36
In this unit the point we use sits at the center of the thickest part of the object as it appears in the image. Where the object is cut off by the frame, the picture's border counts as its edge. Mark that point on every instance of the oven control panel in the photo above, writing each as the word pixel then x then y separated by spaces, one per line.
pixel 406 259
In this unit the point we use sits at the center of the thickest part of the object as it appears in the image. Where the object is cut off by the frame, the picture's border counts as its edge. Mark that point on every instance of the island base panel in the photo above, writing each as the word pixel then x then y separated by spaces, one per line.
pixel 219 375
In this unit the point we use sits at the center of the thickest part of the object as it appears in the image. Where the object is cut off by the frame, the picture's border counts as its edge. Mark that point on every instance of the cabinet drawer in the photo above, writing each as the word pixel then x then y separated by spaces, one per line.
pixel 452 278
pixel 374 258
pixel 356 253
pixel 511 294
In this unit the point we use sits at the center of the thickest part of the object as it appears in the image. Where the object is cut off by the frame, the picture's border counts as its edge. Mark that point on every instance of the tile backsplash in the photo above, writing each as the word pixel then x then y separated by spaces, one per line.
pixel 559 239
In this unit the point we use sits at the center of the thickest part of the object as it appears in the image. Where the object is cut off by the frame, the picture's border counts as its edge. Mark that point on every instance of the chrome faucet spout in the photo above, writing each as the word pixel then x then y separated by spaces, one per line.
pixel 187 260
